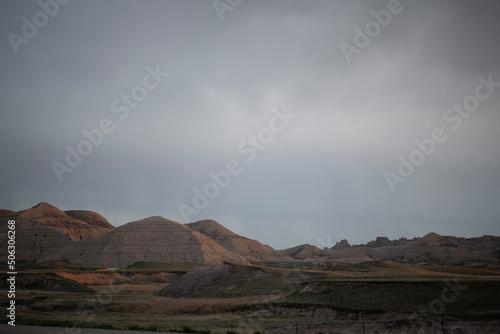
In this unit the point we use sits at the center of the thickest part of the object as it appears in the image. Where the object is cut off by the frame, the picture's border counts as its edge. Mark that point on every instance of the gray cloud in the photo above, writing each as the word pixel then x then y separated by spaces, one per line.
pixel 323 175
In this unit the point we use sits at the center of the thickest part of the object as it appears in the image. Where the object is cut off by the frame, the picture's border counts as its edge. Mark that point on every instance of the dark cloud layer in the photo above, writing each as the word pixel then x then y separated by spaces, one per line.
pixel 321 179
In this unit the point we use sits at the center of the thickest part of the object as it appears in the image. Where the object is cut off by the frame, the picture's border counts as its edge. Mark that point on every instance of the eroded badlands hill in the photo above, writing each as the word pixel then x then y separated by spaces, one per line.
pixel 432 248
pixel 44 233
pixel 90 217
pixel 44 229
pixel 153 239
pixel 252 250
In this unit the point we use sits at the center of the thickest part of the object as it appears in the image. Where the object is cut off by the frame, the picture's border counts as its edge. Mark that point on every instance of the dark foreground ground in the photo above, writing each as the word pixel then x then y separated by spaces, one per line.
pixel 373 297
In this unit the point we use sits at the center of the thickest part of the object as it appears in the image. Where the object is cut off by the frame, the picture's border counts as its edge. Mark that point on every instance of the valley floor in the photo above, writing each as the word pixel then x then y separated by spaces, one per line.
pixel 380 297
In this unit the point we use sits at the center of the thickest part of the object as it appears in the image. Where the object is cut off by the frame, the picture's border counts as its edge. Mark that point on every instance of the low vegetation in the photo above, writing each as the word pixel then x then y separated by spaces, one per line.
pixel 171 267
pixel 464 299
pixel 276 297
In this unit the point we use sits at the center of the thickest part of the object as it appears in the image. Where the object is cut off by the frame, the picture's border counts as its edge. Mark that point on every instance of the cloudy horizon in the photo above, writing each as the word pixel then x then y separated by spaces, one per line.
pixel 289 122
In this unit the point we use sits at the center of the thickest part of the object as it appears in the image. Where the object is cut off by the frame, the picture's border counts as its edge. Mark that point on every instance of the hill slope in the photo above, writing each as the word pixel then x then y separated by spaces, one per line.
pixel 431 248
pixel 44 232
pixel 154 239
pixel 252 250
pixel 44 229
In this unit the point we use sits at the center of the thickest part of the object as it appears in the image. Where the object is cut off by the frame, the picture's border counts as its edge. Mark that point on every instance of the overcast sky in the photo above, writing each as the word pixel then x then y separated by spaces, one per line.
pixel 321 178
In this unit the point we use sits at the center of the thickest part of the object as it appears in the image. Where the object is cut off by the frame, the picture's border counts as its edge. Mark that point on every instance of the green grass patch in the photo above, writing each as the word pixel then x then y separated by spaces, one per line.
pixel 363 266
pixel 255 281
pixel 179 267
pixel 49 266
pixel 43 322
pixel 481 271
pixel 147 329
pixel 469 299
pixel 188 329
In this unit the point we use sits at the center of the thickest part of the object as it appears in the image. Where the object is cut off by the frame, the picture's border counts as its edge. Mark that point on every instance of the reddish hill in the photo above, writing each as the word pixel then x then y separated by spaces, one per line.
pixel 90 217
pixel 46 215
pixel 252 250
pixel 154 239
pixel 44 230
